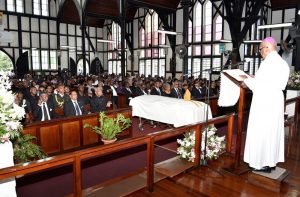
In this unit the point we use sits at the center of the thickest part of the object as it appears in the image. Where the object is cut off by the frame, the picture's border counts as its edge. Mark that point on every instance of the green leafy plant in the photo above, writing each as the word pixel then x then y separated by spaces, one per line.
pixel 110 127
pixel 25 150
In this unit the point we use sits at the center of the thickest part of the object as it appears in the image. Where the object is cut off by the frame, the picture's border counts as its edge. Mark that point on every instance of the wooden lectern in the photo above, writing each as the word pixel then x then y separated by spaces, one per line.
pixel 237 167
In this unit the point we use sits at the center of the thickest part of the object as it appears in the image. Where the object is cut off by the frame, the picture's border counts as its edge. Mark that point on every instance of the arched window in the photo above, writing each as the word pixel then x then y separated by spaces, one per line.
pixel 151 58
pixel 5 62
pixel 142 37
pixel 203 54
pixel 114 54
pixel 80 67
pixel 197 22
pixel 190 36
pixel 218 28
pixel 207 21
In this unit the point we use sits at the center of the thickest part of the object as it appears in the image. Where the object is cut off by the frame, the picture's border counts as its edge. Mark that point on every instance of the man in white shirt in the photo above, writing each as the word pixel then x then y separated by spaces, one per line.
pixel 44 109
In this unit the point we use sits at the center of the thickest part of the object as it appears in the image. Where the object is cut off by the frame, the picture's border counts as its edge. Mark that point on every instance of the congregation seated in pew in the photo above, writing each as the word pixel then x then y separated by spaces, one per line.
pixel 91 99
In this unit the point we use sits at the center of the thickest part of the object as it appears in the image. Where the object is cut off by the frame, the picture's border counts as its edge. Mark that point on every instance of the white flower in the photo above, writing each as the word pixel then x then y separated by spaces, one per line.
pixel 10 113
pixel 214 146
pixel 13 125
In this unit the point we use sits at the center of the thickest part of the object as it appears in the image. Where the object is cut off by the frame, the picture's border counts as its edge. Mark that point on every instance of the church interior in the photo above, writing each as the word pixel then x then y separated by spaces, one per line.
pixel 174 97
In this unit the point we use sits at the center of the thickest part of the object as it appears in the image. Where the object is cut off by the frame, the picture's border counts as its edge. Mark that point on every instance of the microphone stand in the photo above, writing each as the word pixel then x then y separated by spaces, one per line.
pixel 206 100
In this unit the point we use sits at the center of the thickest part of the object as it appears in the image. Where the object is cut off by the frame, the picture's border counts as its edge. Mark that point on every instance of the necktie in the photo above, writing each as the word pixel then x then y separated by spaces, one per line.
pixel 178 93
pixel 46 117
pixel 77 109
pixel 158 90
pixel 199 90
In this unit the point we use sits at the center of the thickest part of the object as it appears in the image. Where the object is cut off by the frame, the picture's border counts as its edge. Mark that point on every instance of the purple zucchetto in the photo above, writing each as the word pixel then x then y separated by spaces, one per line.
pixel 270 40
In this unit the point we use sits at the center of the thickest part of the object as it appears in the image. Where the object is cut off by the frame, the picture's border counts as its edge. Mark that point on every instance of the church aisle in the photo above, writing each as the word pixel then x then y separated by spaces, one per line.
pixel 205 181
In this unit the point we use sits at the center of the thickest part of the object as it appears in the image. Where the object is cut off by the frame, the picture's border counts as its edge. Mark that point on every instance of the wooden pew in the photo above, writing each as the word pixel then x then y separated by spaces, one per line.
pixel 67 134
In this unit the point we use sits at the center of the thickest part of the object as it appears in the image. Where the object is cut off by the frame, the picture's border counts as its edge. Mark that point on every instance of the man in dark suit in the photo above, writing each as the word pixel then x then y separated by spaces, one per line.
pixel 197 91
pixel 99 102
pixel 33 98
pixel 176 92
pixel 141 90
pixel 156 90
pixel 73 107
pixel 44 109
pixel 128 92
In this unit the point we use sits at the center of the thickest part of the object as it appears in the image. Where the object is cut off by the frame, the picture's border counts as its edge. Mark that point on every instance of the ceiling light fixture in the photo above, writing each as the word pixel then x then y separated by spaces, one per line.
pixel 168 32
pixel 225 41
pixel 67 47
pixel 164 46
pixel 252 41
pixel 279 25
pixel 106 41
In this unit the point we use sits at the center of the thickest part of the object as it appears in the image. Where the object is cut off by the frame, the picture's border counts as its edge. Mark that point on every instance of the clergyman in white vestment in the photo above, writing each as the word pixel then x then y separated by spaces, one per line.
pixel 265 133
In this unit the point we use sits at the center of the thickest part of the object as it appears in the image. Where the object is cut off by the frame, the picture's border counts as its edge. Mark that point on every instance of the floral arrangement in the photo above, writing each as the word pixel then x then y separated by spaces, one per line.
pixel 214 147
pixel 294 81
pixel 10 126
pixel 10 113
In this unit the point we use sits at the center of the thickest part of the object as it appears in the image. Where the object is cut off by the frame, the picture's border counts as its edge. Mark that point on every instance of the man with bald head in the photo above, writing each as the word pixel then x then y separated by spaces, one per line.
pixel 99 101
pixel 265 133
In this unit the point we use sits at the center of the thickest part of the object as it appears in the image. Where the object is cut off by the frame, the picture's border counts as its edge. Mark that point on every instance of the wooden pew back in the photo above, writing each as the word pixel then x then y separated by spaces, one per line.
pixel 67 134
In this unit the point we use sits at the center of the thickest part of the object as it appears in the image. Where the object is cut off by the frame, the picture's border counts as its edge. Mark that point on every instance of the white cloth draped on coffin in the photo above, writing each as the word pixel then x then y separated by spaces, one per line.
pixel 169 110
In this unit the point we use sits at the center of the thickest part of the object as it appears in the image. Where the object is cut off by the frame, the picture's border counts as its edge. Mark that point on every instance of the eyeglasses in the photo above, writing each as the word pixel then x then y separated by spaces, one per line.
pixel 261 48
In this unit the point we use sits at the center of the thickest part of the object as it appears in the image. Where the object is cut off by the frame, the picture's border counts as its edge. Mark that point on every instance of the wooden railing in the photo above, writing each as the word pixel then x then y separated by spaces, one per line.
pixel 292 124
pixel 75 158
pixel 296 109
pixel 66 134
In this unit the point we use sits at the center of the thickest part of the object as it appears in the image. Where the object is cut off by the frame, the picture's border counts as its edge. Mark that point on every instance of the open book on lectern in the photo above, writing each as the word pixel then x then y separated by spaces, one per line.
pixel 235 73
pixel 229 91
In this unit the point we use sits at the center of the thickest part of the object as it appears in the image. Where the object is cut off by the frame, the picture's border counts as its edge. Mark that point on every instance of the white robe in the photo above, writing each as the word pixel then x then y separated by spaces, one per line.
pixel 265 132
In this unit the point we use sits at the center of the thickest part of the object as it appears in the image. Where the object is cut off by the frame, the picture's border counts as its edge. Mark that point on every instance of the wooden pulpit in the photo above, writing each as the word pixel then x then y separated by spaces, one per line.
pixel 237 167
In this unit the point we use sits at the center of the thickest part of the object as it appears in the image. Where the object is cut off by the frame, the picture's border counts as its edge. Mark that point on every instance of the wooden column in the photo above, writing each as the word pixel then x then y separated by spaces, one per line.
pixel 77 177
pixel 186 4
pixel 198 137
pixel 123 30
pixel 229 134
pixel 297 39
pixel 150 164
pixel 83 27
pixel 240 126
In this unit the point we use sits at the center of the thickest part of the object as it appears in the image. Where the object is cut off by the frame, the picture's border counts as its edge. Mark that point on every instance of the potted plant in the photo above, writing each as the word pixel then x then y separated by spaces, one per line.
pixel 110 127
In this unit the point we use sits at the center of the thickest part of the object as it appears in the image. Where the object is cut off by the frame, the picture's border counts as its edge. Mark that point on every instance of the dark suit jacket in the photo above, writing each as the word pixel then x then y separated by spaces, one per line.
pixel 105 89
pixel 127 94
pixel 139 92
pixel 98 104
pixel 175 95
pixel 69 108
pixel 37 112
pixel 197 94
pixel 33 100
pixel 84 99
pixel 155 92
